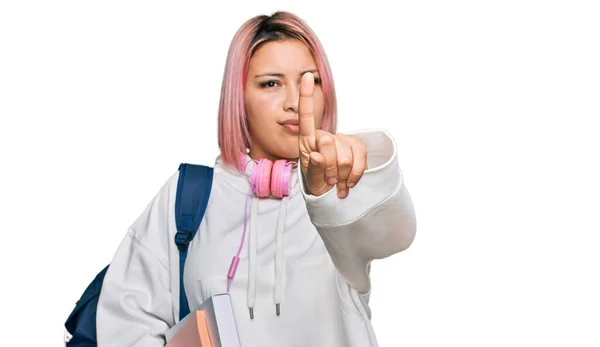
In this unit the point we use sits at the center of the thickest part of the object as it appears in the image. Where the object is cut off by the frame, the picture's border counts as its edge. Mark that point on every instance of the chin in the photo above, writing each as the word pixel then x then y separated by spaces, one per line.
pixel 289 156
pixel 289 152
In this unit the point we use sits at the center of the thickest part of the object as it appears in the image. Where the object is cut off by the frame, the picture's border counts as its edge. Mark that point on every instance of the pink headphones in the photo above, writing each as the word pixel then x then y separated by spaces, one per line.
pixel 270 178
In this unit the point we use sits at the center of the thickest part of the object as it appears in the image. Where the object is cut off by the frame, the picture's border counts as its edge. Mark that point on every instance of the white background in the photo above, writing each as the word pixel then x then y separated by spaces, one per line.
pixel 494 106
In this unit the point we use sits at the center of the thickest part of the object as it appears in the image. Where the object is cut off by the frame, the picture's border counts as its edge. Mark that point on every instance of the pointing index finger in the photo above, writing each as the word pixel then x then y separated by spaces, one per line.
pixel 306 113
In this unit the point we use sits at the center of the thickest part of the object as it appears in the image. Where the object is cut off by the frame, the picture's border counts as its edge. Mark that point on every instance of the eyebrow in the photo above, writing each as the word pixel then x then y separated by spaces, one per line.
pixel 277 74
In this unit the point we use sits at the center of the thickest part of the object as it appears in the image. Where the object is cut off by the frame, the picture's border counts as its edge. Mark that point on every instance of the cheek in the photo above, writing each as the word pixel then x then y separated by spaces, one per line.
pixel 261 110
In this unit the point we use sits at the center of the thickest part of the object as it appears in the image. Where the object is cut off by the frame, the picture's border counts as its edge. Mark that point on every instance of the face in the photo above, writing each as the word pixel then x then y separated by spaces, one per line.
pixel 271 96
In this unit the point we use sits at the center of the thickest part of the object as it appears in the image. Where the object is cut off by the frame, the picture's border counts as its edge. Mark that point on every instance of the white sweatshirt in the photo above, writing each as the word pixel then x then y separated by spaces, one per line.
pixel 314 262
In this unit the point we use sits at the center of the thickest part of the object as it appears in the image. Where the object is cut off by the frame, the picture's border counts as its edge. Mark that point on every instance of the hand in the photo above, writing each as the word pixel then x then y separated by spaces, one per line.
pixel 326 159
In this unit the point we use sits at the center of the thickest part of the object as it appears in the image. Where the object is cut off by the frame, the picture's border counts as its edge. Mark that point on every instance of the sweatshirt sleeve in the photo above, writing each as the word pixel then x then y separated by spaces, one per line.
pixel 135 307
pixel 375 221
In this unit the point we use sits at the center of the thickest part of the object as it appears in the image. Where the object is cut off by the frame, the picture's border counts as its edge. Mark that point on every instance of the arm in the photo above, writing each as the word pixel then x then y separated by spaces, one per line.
pixel 375 221
pixel 135 307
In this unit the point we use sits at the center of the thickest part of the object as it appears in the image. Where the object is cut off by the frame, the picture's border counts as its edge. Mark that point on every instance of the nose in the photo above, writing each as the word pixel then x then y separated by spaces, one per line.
pixel 292 98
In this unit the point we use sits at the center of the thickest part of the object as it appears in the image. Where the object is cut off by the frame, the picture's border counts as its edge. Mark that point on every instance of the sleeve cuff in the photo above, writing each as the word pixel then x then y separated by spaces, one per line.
pixel 380 181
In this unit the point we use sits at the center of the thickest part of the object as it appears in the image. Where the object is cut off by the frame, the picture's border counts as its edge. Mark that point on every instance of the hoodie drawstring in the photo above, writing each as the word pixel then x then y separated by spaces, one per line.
pixel 252 253
pixel 236 259
pixel 252 258
pixel 279 255
pixel 278 291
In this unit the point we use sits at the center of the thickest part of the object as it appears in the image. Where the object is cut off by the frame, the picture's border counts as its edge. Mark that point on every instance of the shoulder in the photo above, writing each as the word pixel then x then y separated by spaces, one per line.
pixel 187 180
pixel 186 177
pixel 157 211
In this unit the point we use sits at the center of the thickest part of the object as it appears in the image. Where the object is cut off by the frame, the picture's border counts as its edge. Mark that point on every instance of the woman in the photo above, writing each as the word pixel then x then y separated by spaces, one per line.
pixel 303 273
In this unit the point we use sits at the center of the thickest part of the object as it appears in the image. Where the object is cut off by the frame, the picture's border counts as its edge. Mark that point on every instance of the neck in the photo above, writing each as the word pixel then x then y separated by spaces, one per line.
pixel 257 154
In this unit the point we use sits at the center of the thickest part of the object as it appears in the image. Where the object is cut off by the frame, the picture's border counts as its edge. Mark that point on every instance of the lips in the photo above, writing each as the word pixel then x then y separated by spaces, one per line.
pixel 290 122
pixel 291 126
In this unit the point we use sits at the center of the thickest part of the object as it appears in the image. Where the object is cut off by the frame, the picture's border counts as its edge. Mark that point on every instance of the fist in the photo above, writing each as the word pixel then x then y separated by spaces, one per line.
pixel 326 159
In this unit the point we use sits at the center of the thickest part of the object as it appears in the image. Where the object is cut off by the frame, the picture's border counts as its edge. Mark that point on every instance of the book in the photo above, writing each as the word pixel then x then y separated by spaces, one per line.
pixel 211 325
pixel 193 332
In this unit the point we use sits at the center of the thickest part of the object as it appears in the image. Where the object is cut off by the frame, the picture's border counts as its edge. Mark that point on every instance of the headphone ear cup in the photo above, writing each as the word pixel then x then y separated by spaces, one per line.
pixel 261 177
pixel 280 178
pixel 276 179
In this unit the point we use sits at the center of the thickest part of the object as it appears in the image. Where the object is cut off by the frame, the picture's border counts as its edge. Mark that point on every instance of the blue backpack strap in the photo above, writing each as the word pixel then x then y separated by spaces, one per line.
pixel 193 192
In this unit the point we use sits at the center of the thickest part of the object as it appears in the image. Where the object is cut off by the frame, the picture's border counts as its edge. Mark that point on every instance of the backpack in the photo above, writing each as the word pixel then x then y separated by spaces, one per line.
pixel 193 192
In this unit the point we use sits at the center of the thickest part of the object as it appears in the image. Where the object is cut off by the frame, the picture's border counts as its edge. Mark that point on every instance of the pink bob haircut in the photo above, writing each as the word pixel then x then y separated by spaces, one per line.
pixel 233 127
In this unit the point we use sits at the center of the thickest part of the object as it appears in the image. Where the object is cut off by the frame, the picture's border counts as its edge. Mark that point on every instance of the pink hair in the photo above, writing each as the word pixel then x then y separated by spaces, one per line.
pixel 233 127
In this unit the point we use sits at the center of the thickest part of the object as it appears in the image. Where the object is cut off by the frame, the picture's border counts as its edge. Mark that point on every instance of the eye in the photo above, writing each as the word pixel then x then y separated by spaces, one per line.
pixel 317 80
pixel 268 84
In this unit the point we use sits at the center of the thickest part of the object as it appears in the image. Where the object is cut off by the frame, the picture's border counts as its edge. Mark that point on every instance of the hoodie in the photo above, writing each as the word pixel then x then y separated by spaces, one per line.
pixel 303 274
